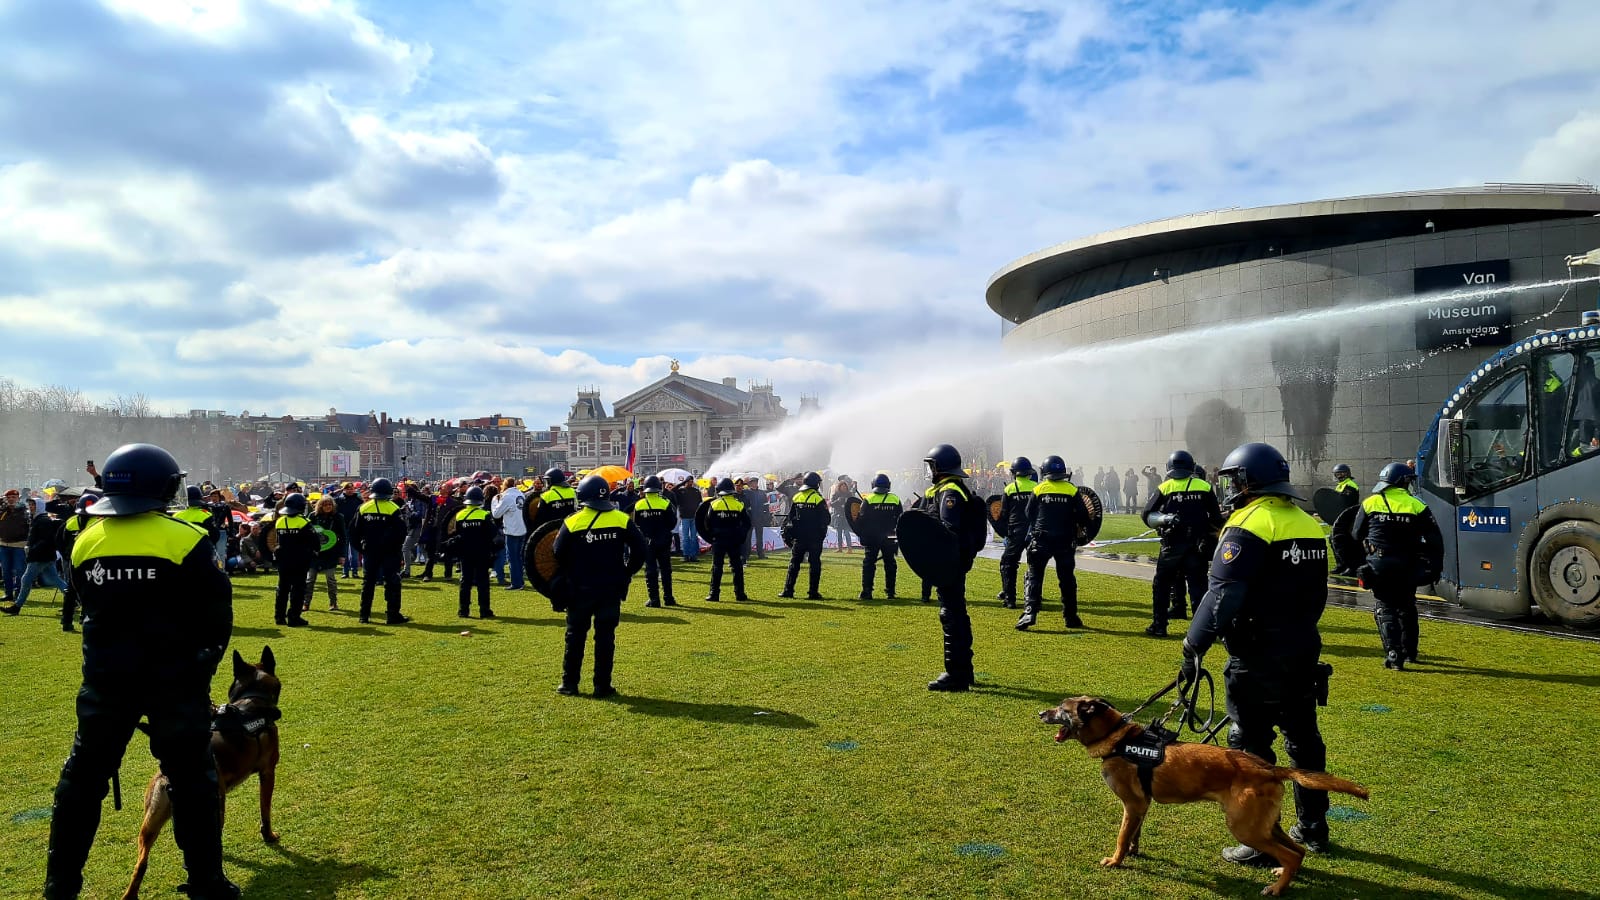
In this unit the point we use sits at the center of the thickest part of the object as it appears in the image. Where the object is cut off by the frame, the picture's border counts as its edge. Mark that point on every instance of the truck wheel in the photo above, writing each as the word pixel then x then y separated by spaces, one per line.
pixel 1565 571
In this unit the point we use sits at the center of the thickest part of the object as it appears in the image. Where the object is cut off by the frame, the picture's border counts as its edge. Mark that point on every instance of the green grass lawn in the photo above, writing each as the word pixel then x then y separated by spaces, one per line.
pixel 789 748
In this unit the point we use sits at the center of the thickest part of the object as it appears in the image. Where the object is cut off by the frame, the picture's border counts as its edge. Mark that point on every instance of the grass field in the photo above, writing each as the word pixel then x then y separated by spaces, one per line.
pixel 789 748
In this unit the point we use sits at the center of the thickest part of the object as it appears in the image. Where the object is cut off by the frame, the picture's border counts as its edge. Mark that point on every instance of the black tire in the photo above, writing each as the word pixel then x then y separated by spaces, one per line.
pixel 1565 572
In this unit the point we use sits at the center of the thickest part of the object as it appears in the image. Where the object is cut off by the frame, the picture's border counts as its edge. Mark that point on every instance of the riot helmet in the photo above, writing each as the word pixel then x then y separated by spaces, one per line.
pixel 1256 469
pixel 813 480
pixel 195 497
pixel 595 493
pixel 1180 464
pixel 943 460
pixel 1395 474
pixel 1021 467
pixel 383 489
pixel 1343 471
pixel 653 483
pixel 553 477
pixel 295 504
pixel 474 496
pixel 725 487
pixel 880 483
pixel 138 478
pixel 1054 469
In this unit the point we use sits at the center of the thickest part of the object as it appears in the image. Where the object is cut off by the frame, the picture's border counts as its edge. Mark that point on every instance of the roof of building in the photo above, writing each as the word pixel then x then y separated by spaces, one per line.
pixel 1014 291
pixel 714 388
pixel 353 423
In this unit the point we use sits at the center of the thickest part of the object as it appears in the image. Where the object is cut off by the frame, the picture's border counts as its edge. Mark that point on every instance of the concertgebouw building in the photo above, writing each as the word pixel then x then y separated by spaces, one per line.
pixel 1357 392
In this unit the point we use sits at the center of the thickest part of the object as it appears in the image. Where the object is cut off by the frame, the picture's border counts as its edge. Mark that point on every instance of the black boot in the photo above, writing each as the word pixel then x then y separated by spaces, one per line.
pixel 951 683
pixel 1030 615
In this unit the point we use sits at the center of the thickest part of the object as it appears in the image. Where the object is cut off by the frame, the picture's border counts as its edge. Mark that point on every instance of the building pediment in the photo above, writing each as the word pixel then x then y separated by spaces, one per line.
pixel 665 401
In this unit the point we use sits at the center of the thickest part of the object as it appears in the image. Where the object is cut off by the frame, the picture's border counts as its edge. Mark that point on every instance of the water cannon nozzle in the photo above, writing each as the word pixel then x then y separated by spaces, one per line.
pixel 1592 258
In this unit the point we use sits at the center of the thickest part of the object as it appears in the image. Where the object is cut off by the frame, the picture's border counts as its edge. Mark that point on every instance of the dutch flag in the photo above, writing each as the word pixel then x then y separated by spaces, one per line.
pixel 633 450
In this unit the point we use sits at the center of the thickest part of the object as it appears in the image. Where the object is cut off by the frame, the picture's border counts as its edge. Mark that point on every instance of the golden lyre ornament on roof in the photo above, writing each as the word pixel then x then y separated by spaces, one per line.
pixel 674 367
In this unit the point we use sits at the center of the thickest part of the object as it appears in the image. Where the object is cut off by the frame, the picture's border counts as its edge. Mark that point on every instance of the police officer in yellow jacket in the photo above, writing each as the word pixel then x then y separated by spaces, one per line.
pixel 1055 513
pixel 556 502
pixel 381 533
pixel 727 530
pixel 1184 511
pixel 198 512
pixel 808 524
pixel 598 549
pixel 1014 524
pixel 298 544
pixel 1350 492
pixel 880 510
pixel 157 615
pixel 472 540
pixel 1345 485
pixel 1404 549
pixel 1269 584
pixel 953 504
pixel 657 519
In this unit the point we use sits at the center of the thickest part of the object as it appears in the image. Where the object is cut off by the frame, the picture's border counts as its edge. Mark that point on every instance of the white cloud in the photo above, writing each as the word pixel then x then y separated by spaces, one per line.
pixel 452 210
pixel 1571 153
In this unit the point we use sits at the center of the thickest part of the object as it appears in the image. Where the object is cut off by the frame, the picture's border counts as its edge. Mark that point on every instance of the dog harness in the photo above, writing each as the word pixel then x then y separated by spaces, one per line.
pixel 232 718
pixel 1146 750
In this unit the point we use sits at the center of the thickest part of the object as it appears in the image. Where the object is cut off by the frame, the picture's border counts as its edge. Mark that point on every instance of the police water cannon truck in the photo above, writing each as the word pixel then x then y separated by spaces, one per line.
pixel 1511 470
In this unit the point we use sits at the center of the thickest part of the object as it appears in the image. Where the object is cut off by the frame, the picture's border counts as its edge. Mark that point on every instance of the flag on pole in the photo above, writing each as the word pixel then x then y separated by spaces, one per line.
pixel 633 451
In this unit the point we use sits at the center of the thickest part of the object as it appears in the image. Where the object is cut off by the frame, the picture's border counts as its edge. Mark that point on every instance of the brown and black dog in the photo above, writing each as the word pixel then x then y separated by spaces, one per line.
pixel 244 742
pixel 1248 788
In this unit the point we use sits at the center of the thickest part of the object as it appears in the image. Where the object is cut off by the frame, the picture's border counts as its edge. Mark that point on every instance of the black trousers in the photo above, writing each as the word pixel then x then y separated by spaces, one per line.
pixel 1039 555
pixel 474 574
pixel 658 571
pixel 180 737
pixel 869 566
pixel 1181 565
pixel 387 570
pixel 291 596
pixel 1010 560
pixel 956 627
pixel 733 556
pixel 604 618
pixel 757 533
pixel 1261 703
pixel 1395 611
pixel 798 552
pixel 69 603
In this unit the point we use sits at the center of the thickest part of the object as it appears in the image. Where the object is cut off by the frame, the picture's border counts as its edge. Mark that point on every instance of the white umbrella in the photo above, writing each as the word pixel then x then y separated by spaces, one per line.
pixel 673 476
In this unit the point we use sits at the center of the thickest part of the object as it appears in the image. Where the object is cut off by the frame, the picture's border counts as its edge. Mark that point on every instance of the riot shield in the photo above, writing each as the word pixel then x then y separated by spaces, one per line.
pixel 930 549
pixel 702 520
pixel 1096 514
pixel 992 508
pixel 1330 504
pixel 543 571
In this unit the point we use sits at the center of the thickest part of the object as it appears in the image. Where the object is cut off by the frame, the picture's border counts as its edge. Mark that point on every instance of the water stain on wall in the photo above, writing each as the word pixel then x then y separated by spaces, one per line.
pixel 1306 368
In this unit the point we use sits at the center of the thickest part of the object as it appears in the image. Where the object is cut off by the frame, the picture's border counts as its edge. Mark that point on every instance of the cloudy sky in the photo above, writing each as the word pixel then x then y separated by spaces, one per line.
pixel 472 207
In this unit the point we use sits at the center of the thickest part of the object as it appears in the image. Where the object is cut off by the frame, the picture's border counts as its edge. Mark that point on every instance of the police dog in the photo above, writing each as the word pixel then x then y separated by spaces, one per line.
pixel 1250 790
pixel 244 742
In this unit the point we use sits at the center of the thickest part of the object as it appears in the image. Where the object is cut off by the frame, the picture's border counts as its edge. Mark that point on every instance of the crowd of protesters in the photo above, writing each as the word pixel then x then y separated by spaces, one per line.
pixel 241 519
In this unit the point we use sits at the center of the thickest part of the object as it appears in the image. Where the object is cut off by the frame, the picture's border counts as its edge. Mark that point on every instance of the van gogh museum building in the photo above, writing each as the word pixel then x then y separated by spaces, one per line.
pixel 1350 389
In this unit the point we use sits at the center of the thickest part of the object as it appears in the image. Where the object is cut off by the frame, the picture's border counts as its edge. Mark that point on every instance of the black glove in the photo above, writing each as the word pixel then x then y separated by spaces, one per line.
pixel 1189 669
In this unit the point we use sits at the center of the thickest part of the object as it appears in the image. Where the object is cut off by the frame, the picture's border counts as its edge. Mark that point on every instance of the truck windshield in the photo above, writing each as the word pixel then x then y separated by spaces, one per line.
pixel 1496 432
